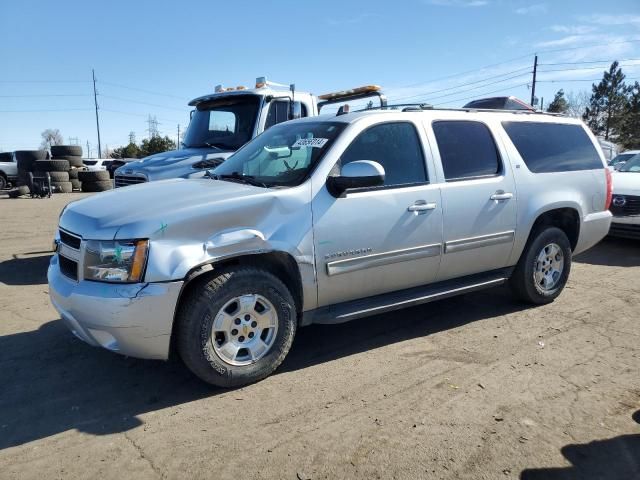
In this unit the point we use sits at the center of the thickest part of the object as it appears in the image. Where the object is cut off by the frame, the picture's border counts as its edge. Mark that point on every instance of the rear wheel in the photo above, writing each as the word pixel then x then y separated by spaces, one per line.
pixel 237 327
pixel 543 269
pixel 3 182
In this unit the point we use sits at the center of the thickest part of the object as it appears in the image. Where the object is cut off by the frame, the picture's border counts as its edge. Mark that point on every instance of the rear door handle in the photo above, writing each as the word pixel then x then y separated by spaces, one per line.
pixel 500 195
pixel 421 206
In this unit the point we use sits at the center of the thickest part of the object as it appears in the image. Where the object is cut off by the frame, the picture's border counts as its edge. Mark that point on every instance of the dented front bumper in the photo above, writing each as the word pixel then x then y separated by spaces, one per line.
pixel 130 319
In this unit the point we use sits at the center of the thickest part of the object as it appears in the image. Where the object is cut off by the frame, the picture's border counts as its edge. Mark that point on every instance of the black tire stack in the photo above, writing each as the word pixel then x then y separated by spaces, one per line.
pixel 95 180
pixel 5 157
pixel 73 155
pixel 26 160
pixel 58 170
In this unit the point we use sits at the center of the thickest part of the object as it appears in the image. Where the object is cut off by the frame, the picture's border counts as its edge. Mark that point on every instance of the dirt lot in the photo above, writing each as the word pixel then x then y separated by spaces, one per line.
pixel 476 387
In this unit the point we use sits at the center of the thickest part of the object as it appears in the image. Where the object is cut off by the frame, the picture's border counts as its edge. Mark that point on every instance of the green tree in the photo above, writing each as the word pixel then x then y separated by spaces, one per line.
pixel 559 103
pixel 608 102
pixel 130 151
pixel 156 144
pixel 630 124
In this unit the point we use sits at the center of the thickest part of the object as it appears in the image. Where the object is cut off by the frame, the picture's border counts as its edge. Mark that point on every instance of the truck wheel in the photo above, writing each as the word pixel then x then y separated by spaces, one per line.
pixel 544 267
pixel 3 182
pixel 236 328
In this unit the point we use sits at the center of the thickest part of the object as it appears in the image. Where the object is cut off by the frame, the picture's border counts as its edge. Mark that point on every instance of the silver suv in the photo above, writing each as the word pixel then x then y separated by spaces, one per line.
pixel 325 220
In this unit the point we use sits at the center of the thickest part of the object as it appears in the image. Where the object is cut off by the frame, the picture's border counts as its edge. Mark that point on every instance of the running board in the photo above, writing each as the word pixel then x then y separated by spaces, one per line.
pixel 388 302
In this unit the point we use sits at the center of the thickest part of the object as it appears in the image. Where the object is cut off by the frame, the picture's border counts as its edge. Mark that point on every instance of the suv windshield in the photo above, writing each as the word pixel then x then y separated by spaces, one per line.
pixel 632 165
pixel 284 155
pixel 225 123
pixel 623 157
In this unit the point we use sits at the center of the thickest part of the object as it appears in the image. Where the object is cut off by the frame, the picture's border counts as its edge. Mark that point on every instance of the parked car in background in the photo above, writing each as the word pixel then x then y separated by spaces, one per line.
pixel 224 121
pixel 97 163
pixel 625 204
pixel 621 158
pixel 609 149
pixel 325 220
pixel 499 103
pixel 8 169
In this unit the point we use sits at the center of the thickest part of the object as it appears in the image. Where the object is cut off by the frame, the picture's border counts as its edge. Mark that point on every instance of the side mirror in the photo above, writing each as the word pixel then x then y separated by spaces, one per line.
pixel 358 174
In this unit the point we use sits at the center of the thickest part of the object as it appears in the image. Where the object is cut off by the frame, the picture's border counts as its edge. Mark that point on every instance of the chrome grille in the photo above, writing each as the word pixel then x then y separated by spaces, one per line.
pixel 69 254
pixel 126 180
pixel 625 205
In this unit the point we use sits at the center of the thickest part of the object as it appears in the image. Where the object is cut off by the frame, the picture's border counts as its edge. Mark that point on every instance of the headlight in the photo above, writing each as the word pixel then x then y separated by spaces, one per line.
pixel 115 261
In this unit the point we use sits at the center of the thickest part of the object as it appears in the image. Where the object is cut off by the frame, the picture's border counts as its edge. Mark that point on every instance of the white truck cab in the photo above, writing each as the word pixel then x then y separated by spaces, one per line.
pixel 225 120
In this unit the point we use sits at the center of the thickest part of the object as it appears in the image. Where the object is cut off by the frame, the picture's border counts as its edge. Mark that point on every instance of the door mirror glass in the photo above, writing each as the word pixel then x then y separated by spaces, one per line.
pixel 356 174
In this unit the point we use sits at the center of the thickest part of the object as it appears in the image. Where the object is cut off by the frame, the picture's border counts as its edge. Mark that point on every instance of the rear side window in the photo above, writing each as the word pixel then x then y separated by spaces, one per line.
pixel 396 146
pixel 467 150
pixel 553 147
pixel 279 112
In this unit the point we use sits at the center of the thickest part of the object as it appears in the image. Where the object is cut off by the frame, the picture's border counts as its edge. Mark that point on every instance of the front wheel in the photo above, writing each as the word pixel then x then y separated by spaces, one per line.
pixel 237 327
pixel 543 269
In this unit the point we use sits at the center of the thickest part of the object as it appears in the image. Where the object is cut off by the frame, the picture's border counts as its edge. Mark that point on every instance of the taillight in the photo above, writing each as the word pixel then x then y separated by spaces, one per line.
pixel 607 200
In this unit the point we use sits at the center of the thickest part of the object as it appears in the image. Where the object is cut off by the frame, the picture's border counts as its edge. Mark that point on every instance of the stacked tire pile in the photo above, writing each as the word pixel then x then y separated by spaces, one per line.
pixel 95 180
pixel 26 160
pixel 72 154
pixel 5 157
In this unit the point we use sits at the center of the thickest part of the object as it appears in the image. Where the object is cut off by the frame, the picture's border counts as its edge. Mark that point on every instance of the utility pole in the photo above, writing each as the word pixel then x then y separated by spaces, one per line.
pixel 533 85
pixel 542 104
pixel 88 150
pixel 178 144
pixel 153 127
pixel 95 101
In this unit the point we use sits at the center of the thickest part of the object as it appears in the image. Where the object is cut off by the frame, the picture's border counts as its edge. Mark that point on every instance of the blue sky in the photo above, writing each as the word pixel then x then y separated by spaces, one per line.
pixel 161 54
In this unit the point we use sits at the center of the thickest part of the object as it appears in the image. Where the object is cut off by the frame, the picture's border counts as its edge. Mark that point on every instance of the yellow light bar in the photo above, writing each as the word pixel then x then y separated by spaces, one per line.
pixel 353 91
pixel 241 87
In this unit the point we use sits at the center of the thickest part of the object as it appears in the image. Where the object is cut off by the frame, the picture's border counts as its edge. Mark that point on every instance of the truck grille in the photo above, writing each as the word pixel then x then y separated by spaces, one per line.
pixel 126 180
pixel 625 230
pixel 625 205
pixel 69 247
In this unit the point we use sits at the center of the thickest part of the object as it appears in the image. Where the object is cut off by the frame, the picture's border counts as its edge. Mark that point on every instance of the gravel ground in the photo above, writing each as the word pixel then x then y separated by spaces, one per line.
pixel 475 387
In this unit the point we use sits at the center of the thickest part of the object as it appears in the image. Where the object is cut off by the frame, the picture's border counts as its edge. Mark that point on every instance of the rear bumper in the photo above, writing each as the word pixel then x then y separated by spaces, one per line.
pixel 130 319
pixel 594 228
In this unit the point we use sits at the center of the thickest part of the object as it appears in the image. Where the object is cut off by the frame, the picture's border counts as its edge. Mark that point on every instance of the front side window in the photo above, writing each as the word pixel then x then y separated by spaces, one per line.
pixel 553 147
pixel 284 155
pixel 226 123
pixel 279 112
pixel 396 146
pixel 467 149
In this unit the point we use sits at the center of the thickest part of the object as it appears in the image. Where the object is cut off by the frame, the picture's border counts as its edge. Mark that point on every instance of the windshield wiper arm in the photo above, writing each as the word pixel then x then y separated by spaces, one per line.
pixel 248 179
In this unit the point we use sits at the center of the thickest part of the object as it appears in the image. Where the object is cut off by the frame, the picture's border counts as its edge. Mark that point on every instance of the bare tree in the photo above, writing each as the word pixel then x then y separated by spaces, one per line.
pixel 577 103
pixel 51 136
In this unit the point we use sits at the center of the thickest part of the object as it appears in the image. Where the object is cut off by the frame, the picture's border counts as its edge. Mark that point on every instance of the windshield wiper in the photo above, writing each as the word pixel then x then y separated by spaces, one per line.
pixel 235 176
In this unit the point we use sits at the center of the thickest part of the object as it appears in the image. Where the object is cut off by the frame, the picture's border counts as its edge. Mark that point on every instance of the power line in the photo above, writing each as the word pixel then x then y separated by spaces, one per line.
pixel 136 114
pixel 49 110
pixel 46 95
pixel 580 80
pixel 128 100
pixel 584 68
pixel 592 61
pixel 150 92
pixel 482 94
pixel 466 84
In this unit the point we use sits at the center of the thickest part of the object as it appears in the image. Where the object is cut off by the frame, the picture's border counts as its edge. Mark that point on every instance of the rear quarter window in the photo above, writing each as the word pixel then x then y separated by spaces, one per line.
pixel 553 147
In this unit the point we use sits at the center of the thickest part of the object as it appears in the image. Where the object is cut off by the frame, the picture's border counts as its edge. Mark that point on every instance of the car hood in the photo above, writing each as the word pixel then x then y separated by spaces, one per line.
pixel 179 208
pixel 626 183
pixel 172 164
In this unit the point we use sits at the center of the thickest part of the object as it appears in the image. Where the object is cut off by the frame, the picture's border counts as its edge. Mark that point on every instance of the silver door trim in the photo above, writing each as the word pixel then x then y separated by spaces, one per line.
pixel 478 242
pixel 349 265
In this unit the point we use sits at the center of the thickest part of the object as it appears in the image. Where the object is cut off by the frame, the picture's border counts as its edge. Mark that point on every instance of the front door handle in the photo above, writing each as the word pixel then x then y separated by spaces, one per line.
pixel 421 206
pixel 501 195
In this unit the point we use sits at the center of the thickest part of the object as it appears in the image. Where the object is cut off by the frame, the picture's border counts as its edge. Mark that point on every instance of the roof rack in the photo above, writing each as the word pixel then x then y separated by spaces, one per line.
pixel 419 107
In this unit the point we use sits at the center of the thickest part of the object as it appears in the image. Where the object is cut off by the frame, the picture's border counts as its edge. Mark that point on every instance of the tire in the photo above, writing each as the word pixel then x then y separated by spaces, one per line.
pixel 61 187
pixel 523 282
pixel 4 183
pixel 31 155
pixel 51 166
pixel 202 305
pixel 73 173
pixel 55 176
pixel 99 186
pixel 76 184
pixel 18 192
pixel 73 161
pixel 23 177
pixel 93 175
pixel 66 150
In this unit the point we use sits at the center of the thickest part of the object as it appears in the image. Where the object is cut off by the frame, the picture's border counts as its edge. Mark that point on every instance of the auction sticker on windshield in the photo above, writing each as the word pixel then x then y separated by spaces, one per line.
pixel 310 142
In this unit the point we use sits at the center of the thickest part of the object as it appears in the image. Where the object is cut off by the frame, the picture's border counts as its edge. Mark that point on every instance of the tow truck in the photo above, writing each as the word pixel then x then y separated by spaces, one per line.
pixel 225 120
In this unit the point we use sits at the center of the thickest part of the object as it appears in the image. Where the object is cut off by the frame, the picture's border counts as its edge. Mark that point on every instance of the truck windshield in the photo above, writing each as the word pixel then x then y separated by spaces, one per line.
pixel 632 165
pixel 225 123
pixel 284 155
